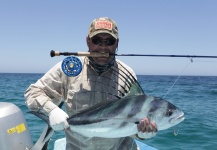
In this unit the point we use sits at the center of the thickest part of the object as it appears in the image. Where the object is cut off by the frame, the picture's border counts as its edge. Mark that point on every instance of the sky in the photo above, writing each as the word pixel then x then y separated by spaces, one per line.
pixel 30 29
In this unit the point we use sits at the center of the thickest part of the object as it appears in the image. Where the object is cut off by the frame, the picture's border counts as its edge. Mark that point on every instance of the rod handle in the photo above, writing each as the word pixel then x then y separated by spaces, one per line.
pixel 92 54
pixel 89 54
pixel 54 53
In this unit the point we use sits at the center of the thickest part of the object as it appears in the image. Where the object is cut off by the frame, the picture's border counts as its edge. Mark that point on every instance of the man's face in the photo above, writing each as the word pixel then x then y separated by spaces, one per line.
pixel 102 43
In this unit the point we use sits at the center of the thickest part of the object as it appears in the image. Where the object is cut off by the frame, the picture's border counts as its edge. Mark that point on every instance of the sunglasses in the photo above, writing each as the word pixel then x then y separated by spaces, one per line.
pixel 99 41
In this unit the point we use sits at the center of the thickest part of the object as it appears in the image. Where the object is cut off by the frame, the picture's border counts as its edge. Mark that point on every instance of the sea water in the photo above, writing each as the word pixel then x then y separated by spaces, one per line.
pixel 195 95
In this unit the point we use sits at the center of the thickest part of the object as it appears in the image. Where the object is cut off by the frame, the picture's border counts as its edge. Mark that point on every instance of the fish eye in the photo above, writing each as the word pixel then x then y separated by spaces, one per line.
pixel 169 112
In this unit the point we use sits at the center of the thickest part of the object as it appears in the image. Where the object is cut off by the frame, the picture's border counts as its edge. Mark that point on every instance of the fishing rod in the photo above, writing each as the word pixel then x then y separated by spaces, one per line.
pixel 96 54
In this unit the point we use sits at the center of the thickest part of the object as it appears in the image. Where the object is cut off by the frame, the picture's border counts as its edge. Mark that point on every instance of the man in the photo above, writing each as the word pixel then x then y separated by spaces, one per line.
pixel 101 78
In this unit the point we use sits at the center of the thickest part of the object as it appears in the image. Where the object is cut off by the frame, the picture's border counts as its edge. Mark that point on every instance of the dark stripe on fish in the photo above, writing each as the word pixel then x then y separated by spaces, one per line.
pixel 137 105
pixel 156 103
pixel 119 107
pixel 75 121
pixel 123 124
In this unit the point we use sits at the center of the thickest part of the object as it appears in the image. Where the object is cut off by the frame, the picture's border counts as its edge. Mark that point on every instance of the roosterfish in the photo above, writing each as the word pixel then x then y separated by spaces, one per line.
pixel 119 118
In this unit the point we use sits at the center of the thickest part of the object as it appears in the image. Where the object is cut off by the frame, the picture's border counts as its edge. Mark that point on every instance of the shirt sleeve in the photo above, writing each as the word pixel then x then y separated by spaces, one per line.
pixel 46 93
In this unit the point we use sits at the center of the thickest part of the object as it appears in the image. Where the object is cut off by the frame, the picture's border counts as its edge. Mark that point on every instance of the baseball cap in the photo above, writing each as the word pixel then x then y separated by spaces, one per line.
pixel 103 25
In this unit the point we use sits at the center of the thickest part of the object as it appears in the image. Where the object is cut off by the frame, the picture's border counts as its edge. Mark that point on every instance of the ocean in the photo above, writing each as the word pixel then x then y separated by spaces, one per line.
pixel 195 95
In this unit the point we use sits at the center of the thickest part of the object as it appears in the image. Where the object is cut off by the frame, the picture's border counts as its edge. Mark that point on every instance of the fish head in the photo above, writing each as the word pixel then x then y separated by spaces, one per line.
pixel 164 114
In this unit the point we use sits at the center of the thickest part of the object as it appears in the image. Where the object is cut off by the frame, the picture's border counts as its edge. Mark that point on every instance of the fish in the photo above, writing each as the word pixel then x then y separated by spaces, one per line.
pixel 119 118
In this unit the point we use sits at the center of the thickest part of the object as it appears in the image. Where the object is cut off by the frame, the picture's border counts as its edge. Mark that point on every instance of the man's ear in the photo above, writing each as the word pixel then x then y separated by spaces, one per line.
pixel 88 41
pixel 117 42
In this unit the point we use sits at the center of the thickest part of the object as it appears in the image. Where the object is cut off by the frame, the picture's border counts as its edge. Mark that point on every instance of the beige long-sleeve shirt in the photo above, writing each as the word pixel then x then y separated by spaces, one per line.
pixel 81 92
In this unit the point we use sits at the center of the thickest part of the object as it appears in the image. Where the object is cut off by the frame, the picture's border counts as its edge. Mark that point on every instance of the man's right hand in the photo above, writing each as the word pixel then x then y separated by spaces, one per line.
pixel 57 118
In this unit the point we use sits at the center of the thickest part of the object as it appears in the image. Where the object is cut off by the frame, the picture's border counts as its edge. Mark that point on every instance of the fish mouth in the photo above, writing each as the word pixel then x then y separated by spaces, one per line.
pixel 182 117
pixel 177 119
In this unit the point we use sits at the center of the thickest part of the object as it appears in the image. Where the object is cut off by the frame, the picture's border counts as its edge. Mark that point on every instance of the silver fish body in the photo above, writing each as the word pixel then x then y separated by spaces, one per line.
pixel 119 118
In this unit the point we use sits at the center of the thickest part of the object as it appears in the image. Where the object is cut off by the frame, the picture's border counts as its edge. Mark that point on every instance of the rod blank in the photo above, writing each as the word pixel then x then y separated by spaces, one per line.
pixel 152 55
pixel 96 54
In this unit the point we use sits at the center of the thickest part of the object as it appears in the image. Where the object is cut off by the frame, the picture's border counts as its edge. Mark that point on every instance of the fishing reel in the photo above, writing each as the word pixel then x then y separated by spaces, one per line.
pixel 72 66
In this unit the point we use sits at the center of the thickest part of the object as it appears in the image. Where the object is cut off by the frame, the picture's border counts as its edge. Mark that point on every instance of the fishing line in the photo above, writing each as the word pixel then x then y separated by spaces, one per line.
pixel 205 61
pixel 191 61
pixel 176 131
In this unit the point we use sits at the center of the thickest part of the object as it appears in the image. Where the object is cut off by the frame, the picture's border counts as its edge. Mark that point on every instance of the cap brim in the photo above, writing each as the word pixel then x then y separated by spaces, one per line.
pixel 102 31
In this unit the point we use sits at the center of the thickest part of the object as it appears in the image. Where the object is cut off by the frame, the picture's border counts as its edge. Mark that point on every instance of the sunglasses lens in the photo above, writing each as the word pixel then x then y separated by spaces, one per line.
pixel 99 41
pixel 110 41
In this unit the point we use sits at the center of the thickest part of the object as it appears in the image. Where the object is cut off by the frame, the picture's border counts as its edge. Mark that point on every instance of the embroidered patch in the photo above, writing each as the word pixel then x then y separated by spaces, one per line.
pixel 103 25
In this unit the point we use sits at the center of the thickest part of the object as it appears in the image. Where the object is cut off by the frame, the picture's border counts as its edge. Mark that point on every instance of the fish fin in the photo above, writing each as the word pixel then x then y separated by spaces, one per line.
pixel 135 87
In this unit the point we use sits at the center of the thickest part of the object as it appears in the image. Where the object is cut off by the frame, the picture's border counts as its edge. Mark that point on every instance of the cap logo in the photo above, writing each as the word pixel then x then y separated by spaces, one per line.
pixel 103 25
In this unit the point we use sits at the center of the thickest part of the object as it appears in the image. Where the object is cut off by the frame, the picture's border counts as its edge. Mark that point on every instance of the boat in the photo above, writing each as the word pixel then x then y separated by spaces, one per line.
pixel 15 134
pixel 60 144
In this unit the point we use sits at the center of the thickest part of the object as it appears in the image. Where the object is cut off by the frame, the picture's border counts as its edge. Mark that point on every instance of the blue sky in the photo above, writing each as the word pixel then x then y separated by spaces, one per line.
pixel 29 29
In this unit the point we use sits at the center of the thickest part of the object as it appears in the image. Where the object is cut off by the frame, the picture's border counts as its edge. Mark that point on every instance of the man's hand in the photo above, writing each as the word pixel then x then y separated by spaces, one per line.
pixel 147 129
pixel 57 118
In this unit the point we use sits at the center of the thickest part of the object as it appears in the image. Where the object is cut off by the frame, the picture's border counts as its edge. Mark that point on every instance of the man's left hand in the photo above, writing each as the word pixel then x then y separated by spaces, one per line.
pixel 146 128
